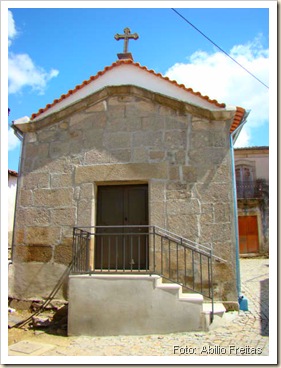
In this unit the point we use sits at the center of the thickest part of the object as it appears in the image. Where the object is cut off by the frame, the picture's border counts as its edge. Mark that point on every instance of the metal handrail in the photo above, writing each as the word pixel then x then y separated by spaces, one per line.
pixel 145 249
pixel 166 233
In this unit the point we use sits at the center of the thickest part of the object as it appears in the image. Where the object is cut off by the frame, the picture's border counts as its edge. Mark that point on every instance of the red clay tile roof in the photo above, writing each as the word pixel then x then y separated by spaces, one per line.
pixel 12 172
pixel 252 148
pixel 237 119
pixel 117 63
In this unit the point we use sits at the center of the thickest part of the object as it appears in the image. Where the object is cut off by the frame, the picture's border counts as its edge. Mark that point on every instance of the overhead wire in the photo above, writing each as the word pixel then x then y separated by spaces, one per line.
pixel 203 34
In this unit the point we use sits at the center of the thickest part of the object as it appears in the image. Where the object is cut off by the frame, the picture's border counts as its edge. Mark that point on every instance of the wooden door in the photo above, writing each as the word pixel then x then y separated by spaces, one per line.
pixel 248 234
pixel 123 247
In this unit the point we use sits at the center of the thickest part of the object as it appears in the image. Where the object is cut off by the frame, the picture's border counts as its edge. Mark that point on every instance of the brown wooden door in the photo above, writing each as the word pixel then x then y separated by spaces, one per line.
pixel 248 234
pixel 123 247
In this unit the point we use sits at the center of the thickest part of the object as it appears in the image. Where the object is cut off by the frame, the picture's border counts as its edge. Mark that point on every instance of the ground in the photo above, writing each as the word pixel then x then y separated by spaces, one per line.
pixel 237 333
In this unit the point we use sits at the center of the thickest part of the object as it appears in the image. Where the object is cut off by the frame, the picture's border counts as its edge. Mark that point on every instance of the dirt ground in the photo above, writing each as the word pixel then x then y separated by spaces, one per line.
pixel 54 333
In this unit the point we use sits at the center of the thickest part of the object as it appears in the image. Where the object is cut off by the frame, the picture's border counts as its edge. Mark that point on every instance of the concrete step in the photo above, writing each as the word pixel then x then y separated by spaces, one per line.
pixel 194 298
pixel 219 309
pixel 177 290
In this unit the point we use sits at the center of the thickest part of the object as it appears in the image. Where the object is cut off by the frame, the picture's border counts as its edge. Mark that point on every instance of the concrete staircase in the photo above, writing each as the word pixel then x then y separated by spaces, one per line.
pixel 176 289
pixel 127 304
pixel 218 311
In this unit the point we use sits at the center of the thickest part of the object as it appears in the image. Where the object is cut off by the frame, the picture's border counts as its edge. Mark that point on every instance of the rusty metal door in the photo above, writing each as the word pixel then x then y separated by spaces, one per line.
pixel 122 247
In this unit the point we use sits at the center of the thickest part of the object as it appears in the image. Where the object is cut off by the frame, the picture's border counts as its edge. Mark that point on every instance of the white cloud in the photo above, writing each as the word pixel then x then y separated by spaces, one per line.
pixel 12 32
pixel 243 139
pixel 13 141
pixel 22 71
pixel 216 75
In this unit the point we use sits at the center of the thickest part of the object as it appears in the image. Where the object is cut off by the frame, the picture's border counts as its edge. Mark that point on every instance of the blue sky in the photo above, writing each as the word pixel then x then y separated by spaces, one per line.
pixel 51 50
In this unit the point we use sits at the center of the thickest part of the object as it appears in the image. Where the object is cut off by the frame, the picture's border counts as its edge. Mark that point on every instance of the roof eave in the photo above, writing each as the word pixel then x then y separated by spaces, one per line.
pixel 238 122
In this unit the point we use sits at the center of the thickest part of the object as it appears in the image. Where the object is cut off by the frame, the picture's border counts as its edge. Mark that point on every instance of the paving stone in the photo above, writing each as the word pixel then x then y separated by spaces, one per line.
pixel 27 348
pixel 13 320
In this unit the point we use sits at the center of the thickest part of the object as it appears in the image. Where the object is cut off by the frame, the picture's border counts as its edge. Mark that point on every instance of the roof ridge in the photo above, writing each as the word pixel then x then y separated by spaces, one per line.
pixel 117 63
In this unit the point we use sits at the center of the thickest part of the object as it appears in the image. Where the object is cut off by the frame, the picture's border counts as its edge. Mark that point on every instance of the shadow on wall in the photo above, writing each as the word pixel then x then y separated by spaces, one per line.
pixel 264 302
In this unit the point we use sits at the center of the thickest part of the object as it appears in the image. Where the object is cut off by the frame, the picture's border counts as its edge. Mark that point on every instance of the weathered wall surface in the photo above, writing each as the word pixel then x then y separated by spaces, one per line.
pixel 12 189
pixel 126 138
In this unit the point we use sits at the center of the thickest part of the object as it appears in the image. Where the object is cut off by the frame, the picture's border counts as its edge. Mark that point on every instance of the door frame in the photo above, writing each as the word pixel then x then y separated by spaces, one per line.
pixel 242 212
pixel 120 184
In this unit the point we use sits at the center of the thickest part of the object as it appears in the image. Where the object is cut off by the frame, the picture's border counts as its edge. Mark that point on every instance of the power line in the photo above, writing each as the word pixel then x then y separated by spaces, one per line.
pixel 198 30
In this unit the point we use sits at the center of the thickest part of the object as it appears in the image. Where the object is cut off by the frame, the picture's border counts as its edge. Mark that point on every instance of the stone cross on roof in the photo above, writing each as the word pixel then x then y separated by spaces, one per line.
pixel 126 37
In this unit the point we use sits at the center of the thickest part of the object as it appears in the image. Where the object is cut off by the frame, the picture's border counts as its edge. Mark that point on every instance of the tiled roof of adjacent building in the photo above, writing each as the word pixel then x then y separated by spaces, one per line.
pixel 252 148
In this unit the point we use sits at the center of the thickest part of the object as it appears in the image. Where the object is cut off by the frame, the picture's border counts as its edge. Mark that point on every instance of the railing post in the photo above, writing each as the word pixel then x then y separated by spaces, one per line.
pixel 74 249
pixel 154 250
pixel 91 252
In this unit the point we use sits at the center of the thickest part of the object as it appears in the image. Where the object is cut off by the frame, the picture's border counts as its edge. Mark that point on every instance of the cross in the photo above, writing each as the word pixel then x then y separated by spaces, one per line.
pixel 126 37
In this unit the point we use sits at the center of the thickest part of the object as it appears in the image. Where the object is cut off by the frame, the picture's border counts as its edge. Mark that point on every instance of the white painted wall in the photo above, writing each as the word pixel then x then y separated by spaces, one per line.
pixel 259 160
pixel 262 167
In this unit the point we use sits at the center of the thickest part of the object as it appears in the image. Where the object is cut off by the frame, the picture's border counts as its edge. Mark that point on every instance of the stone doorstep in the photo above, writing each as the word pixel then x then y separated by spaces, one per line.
pixel 28 348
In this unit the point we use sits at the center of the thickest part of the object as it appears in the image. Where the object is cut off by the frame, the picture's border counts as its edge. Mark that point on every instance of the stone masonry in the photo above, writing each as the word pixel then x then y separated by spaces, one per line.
pixel 122 135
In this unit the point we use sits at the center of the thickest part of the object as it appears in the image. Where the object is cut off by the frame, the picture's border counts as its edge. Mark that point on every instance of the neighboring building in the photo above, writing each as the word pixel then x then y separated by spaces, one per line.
pixel 252 182
pixel 126 147
pixel 12 189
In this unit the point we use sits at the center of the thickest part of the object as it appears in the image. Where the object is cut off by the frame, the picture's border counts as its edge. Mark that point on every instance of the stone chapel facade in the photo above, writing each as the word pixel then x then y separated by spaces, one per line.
pixel 125 126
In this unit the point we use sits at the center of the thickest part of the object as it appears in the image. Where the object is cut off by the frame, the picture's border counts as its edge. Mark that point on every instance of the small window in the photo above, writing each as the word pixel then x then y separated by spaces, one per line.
pixel 244 173
pixel 245 182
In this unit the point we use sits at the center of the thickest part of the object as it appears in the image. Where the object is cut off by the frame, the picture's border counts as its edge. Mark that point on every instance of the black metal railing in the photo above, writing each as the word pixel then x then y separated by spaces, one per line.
pixel 249 189
pixel 144 249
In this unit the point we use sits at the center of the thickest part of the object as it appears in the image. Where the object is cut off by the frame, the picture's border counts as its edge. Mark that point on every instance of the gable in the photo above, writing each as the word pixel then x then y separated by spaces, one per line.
pixel 126 72
pixel 97 100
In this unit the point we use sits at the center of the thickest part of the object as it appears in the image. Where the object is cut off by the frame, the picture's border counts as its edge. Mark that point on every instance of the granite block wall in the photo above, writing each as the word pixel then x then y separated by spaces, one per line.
pixel 128 137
